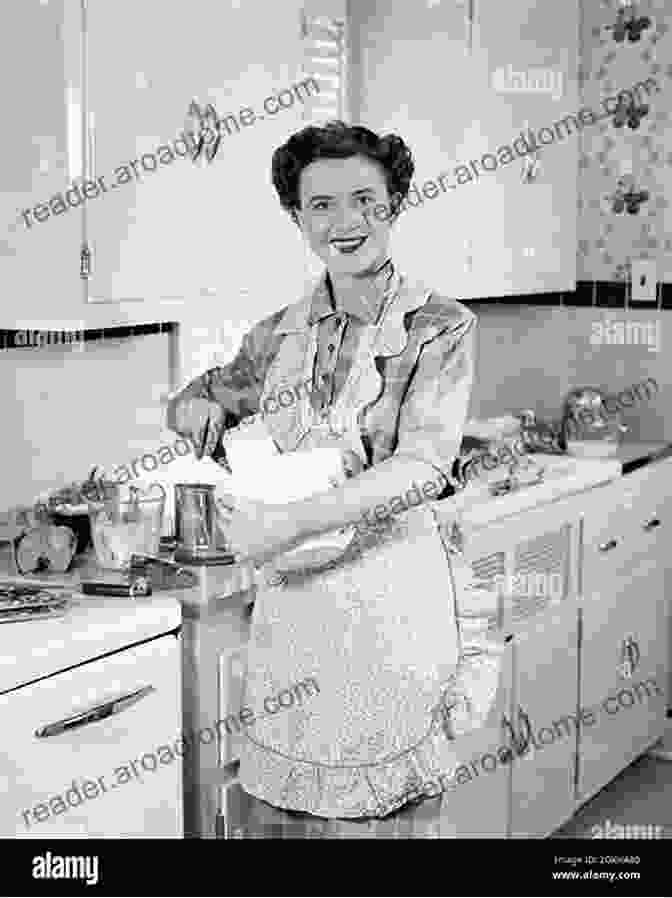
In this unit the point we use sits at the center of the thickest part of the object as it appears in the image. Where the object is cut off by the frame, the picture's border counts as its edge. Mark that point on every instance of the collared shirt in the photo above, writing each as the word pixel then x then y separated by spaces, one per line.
pixel 339 330
pixel 426 386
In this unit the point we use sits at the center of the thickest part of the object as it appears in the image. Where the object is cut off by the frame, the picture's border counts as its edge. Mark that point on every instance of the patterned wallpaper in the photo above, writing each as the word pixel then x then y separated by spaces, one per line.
pixel 625 161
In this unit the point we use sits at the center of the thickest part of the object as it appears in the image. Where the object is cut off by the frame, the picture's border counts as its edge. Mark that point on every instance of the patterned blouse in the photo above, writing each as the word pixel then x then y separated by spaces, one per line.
pixel 423 404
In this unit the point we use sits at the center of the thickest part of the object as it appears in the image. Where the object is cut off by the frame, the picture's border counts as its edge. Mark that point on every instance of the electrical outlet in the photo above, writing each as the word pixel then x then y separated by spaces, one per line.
pixel 644 282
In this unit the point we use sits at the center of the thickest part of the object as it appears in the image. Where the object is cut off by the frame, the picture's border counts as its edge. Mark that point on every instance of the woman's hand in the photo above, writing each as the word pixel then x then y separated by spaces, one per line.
pixel 256 531
pixel 192 416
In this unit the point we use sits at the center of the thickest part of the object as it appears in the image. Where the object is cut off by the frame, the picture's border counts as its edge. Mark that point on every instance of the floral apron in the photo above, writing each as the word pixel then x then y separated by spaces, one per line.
pixel 376 630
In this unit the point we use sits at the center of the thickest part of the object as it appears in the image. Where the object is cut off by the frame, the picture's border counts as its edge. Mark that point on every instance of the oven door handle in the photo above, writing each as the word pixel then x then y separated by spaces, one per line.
pixel 91 715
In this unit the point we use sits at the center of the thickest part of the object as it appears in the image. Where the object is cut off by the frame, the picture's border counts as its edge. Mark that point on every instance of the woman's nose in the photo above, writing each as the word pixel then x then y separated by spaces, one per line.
pixel 347 218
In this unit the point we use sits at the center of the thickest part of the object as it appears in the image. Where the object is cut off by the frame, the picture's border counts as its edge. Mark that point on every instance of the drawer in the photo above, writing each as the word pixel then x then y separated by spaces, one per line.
pixel 624 523
pixel 96 776
pixel 649 500
pixel 607 531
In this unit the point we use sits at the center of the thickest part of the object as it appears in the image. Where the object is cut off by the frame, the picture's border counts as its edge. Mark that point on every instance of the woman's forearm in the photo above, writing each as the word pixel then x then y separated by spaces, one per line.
pixel 368 497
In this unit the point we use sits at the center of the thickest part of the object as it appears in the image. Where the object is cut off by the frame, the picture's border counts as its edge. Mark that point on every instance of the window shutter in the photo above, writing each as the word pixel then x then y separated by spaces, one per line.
pixel 325 60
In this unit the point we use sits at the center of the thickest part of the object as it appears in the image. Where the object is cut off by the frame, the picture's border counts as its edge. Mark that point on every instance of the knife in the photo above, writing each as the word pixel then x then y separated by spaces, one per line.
pixel 205 439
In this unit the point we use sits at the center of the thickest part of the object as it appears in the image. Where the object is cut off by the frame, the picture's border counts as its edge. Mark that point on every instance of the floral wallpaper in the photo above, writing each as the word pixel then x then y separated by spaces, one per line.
pixel 625 161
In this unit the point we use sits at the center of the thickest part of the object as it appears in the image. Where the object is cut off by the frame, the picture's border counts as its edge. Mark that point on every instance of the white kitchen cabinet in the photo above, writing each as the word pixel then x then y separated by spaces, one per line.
pixel 543 625
pixel 422 71
pixel 190 236
pixel 181 240
pixel 40 284
pixel 545 684
pixel 624 651
pixel 43 776
pixel 625 646
pixel 483 782
pixel 412 76
pixel 524 234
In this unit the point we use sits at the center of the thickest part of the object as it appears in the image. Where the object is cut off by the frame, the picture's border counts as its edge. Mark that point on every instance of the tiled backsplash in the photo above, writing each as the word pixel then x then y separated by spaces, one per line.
pixel 530 357
pixel 64 411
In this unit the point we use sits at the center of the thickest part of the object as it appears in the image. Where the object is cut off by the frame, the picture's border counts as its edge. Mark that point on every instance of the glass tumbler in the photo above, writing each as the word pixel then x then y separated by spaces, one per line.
pixel 121 528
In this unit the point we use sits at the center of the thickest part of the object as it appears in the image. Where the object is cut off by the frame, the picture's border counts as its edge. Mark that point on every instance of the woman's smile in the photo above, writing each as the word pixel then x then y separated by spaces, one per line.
pixel 348 245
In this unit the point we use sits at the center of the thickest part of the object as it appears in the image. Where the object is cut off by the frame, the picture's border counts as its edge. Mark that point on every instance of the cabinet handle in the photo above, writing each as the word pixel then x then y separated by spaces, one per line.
pixel 630 656
pixel 652 524
pixel 606 547
pixel 92 148
pixel 526 739
pixel 99 712
pixel 633 653
pixel 518 744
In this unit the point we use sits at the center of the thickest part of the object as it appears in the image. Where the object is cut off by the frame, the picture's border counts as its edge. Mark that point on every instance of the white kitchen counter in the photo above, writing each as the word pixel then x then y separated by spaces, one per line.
pixel 93 626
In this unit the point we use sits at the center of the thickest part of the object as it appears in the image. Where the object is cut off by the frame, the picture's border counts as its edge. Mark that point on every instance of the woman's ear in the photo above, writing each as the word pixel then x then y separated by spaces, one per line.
pixel 395 208
pixel 295 218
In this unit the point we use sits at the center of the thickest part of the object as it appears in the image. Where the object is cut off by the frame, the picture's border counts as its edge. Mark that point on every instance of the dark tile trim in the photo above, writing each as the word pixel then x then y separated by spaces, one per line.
pixel 583 296
pixel 598 294
pixel 666 294
pixel 8 337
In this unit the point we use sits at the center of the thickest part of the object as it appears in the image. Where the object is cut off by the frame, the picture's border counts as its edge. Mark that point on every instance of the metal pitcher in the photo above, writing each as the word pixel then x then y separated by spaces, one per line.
pixel 196 517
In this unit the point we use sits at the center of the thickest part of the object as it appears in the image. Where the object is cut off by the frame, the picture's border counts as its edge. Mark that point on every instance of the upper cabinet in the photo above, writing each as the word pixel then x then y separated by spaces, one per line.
pixel 40 48
pixel 153 234
pixel 463 83
pixel 207 233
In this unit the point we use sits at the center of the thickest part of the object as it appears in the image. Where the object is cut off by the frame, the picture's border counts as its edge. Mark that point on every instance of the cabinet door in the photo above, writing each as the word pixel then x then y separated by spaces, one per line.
pixel 39 258
pixel 624 665
pixel 194 236
pixel 484 774
pixel 523 234
pixel 117 776
pixel 413 76
pixel 544 717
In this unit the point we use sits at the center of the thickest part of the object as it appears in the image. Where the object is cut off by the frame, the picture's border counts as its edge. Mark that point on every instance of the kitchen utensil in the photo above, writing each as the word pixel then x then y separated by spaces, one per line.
pixel 195 518
pixel 20 603
pixel 122 527
pixel 138 586
pixel 161 573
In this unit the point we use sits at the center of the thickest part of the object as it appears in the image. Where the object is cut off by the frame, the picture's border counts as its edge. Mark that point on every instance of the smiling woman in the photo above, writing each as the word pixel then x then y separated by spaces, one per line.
pixel 387 369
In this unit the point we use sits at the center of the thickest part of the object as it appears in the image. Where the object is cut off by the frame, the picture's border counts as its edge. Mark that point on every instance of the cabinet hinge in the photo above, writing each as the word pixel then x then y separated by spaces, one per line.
pixel 85 262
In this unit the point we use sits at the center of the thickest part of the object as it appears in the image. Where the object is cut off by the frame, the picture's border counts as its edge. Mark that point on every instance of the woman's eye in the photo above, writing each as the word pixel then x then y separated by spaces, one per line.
pixel 320 205
pixel 366 200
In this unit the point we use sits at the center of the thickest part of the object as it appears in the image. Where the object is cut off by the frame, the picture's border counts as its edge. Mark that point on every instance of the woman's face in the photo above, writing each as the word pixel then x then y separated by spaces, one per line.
pixel 338 198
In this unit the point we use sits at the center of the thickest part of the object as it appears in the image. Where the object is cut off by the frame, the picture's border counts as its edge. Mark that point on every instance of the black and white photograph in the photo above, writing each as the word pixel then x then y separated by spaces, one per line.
pixel 369 283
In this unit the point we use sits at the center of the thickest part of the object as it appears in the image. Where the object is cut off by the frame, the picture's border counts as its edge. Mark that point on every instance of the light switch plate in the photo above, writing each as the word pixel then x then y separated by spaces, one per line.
pixel 644 281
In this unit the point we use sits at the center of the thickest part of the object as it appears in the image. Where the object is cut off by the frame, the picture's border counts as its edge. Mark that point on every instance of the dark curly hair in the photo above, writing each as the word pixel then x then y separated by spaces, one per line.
pixel 338 140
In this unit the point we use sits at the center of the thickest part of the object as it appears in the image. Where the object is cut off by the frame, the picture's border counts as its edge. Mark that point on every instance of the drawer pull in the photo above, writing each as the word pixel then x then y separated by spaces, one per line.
pixel 652 524
pixel 630 656
pixel 606 547
pixel 100 712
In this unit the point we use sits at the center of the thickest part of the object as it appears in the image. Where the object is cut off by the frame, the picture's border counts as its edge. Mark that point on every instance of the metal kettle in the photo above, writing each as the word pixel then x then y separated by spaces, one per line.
pixel 589 427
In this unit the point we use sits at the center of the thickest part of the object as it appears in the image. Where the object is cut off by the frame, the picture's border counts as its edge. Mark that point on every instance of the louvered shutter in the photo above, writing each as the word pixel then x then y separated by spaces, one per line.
pixel 325 59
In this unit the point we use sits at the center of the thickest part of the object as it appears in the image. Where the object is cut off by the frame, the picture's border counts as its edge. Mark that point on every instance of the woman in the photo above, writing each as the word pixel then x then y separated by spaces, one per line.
pixel 390 367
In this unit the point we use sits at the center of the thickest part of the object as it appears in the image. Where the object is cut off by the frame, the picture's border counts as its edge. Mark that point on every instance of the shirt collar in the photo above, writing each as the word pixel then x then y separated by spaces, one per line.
pixel 371 291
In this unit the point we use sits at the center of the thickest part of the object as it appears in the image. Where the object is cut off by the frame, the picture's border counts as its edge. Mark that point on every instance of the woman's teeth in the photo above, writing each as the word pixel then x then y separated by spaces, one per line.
pixel 347 246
